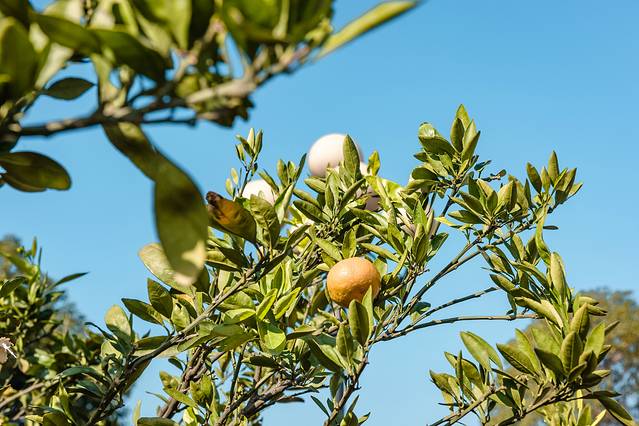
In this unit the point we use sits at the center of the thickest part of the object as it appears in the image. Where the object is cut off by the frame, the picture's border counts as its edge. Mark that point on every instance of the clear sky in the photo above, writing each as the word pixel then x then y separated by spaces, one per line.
pixel 536 76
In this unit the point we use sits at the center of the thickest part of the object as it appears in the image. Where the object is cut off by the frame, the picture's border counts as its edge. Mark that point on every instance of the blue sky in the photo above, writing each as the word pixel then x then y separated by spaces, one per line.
pixel 536 76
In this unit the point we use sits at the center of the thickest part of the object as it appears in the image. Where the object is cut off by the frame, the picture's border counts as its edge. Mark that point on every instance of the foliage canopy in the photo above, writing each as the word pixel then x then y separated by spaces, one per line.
pixel 257 328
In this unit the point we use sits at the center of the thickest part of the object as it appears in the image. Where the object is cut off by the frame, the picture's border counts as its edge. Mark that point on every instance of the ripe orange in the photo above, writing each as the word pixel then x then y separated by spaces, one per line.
pixel 350 279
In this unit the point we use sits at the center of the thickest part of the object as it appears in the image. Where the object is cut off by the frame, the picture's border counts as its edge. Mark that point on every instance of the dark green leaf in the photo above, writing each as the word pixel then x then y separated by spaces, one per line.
pixel 571 349
pixel 18 59
pixel 142 310
pixel 265 305
pixel 69 34
pixel 272 338
pixel 70 278
pixel 617 411
pixel 10 285
pixel 351 156
pixel 359 321
pixel 373 18
pixel 123 49
pixel 35 170
pixel 517 358
pixel 266 218
pixel 480 350
pixel 551 361
pixel 117 321
pixel 68 88
pixel 325 354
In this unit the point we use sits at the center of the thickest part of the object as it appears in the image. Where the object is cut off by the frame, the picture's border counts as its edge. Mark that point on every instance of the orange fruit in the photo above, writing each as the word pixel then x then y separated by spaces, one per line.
pixel 350 279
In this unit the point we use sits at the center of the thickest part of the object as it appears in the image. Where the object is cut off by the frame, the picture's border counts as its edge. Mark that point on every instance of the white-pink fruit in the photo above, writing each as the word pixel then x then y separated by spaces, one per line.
pixel 259 188
pixel 327 152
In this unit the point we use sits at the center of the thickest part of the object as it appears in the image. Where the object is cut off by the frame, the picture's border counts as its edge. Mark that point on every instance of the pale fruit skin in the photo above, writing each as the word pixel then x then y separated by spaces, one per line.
pixel 350 279
pixel 259 188
pixel 327 152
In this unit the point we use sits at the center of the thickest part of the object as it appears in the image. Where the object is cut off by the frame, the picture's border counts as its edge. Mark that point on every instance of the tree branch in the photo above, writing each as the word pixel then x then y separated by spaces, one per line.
pixel 348 391
pixel 394 334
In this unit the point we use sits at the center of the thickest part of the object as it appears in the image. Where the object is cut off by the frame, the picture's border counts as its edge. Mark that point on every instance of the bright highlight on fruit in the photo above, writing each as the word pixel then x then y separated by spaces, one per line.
pixel 327 152
pixel 259 188
pixel 350 279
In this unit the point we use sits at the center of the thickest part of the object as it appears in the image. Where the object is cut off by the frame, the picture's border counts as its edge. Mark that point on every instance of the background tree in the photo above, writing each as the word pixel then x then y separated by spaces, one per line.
pixel 171 61
pixel 623 360
pixel 50 337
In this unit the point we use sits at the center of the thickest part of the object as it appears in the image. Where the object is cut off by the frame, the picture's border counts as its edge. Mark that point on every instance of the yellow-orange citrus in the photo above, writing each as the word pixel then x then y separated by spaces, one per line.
pixel 350 279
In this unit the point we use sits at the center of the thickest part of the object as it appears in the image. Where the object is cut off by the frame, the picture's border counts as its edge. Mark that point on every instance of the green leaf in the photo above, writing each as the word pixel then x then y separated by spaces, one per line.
pixel 156 262
pixel 506 196
pixel 329 249
pixel 465 216
pixel 344 342
pixel 179 396
pixel 596 339
pixel 34 170
pixel 545 309
pixel 358 321
pixel 557 273
pixel 160 298
pixel 18 9
pixel 581 321
pixel 18 59
pixel 266 218
pixel 122 48
pixel 231 342
pixel 470 142
pixel 571 349
pixel 351 156
pixel 326 355
pixel 55 418
pixel 231 217
pixel 69 34
pixel 480 350
pixel 551 361
pixel 380 251
pixel 181 222
pixel 284 303
pixel 142 310
pixel 117 321
pixel 617 411
pixel 371 19
pixel 180 215
pixel 10 285
pixel 457 134
pixel 131 141
pixel 517 358
pixel 271 337
pixel 310 210
pixel 525 345
pixel 542 248
pixel 68 88
pixel 553 166
pixel 503 282
pixel 174 15
pixel 265 306
pixel 533 176
pixel 70 277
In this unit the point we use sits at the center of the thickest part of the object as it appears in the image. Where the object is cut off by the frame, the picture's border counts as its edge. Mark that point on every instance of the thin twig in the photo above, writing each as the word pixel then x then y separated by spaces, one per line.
pixel 350 388
pixel 410 328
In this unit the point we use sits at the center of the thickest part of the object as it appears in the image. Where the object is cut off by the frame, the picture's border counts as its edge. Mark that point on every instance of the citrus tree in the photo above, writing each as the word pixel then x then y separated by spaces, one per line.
pixel 306 275
pixel 153 61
